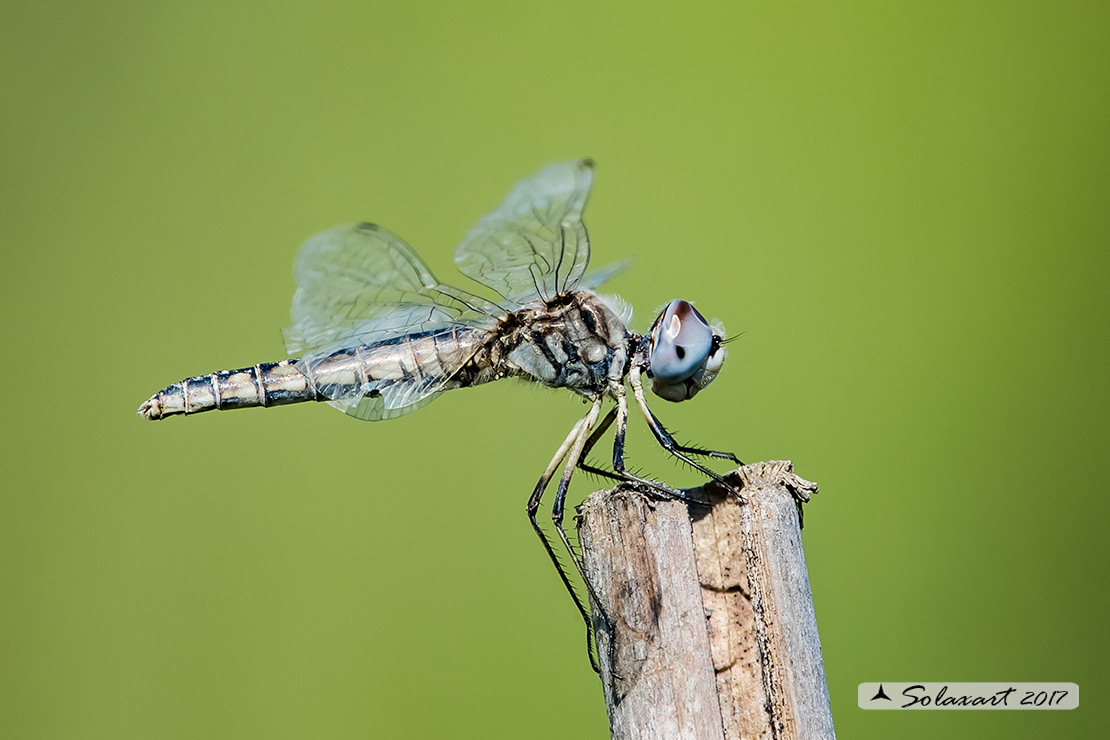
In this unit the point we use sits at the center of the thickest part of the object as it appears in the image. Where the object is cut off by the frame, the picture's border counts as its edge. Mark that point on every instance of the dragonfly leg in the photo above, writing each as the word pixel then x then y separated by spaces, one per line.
pixel 619 413
pixel 573 460
pixel 618 456
pixel 572 447
pixel 595 437
pixel 618 448
pixel 668 443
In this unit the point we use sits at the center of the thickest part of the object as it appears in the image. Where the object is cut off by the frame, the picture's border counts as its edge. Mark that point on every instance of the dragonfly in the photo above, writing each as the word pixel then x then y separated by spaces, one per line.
pixel 378 336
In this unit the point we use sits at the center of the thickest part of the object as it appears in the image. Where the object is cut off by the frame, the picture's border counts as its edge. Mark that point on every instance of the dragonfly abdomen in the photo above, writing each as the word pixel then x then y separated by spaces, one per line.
pixel 398 369
pixel 265 384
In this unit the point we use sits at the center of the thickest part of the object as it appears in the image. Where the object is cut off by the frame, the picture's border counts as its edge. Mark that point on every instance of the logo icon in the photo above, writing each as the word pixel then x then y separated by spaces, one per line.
pixel 881 694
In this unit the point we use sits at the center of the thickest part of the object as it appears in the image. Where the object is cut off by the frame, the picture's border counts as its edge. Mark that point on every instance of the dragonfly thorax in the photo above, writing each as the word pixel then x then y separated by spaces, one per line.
pixel 574 341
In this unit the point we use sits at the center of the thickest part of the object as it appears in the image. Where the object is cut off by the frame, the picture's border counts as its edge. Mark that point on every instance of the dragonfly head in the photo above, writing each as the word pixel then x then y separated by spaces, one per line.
pixel 685 352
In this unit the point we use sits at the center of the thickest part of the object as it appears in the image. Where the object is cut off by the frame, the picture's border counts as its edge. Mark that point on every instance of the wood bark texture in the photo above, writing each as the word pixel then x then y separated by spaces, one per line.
pixel 715 633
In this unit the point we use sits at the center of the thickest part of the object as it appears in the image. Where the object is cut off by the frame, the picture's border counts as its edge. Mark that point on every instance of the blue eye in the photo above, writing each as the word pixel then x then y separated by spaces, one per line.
pixel 681 342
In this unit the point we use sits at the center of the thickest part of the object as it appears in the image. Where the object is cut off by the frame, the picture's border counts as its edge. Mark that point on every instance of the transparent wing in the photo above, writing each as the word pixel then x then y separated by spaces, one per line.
pixel 400 398
pixel 361 284
pixel 535 244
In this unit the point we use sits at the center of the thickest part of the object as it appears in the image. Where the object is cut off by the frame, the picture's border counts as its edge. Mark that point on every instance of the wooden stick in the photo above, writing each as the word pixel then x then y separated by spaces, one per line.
pixel 715 630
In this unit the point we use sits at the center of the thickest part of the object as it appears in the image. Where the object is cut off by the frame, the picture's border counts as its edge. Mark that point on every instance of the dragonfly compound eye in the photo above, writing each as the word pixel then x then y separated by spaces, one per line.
pixel 686 352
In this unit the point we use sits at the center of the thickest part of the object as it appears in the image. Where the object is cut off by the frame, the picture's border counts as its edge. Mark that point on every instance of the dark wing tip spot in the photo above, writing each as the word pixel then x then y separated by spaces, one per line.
pixel 367 226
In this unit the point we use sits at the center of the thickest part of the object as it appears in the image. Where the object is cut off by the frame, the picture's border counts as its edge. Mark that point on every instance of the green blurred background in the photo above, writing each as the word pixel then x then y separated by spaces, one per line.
pixel 903 207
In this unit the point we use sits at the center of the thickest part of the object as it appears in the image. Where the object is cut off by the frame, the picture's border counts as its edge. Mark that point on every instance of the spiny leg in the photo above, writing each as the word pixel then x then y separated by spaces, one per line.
pixel 663 435
pixel 618 455
pixel 533 507
pixel 619 413
pixel 557 514
pixel 578 439
pixel 668 443
pixel 574 458
pixel 595 437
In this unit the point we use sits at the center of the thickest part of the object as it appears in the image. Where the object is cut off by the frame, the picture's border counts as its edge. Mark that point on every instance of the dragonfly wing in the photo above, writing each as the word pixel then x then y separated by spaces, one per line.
pixel 535 244
pixel 397 400
pixel 360 284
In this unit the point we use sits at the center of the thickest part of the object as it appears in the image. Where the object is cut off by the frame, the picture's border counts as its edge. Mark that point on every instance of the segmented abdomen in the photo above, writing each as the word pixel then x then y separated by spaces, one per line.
pixel 265 384
pixel 398 370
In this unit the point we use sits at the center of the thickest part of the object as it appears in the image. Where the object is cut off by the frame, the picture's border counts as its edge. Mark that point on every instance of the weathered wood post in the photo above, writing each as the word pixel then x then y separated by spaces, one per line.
pixel 714 624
